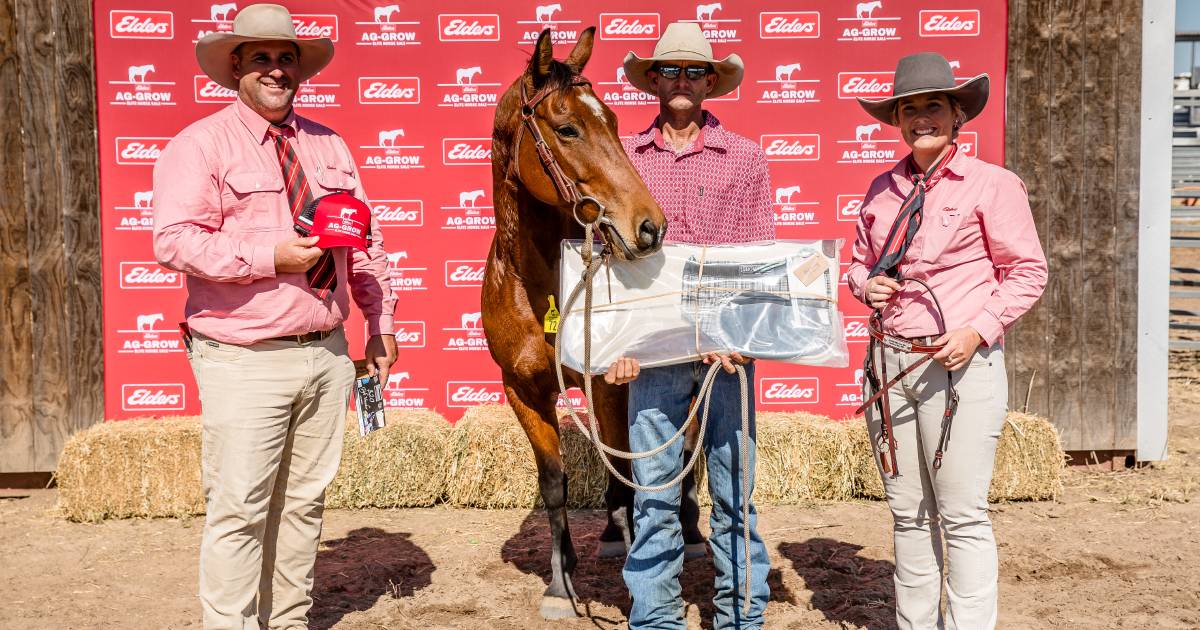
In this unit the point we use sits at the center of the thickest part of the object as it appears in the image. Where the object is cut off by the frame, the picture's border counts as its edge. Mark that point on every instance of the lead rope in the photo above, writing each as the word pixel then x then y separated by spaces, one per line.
pixel 591 266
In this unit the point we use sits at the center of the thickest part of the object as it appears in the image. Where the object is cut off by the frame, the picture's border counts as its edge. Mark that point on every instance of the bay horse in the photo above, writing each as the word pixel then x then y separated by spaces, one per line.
pixel 541 192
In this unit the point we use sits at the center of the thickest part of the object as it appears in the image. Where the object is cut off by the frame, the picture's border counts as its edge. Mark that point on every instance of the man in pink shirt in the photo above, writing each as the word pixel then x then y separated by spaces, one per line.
pixel 266 309
pixel 713 187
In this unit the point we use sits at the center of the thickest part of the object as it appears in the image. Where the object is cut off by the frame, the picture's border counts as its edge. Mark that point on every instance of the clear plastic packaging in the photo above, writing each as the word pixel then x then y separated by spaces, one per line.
pixel 768 301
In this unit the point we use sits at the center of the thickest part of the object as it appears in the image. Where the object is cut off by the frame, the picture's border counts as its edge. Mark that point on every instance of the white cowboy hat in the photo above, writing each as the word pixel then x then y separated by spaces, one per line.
pixel 684 41
pixel 256 23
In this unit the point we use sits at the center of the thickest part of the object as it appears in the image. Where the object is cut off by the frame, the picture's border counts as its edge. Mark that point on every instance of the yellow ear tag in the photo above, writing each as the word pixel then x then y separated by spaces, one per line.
pixel 550 322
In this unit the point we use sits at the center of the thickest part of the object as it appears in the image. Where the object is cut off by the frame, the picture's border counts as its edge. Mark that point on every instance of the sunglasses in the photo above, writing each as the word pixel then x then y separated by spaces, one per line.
pixel 694 73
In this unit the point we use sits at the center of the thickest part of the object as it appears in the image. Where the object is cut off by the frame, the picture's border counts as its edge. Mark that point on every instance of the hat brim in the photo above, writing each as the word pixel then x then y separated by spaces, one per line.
pixel 729 70
pixel 326 241
pixel 972 95
pixel 213 50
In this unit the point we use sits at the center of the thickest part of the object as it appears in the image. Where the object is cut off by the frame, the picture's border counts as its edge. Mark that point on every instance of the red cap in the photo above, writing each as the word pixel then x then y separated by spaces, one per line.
pixel 340 220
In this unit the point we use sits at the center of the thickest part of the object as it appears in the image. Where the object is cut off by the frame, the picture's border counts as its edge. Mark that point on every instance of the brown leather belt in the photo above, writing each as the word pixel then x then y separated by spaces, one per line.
pixel 308 337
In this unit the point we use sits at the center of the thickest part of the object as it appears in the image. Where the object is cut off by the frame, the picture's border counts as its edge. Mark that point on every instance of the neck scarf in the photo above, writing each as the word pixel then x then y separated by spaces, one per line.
pixel 908 220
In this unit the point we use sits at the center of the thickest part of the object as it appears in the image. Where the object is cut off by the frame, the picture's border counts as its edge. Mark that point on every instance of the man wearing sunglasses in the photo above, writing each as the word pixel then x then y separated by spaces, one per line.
pixel 712 185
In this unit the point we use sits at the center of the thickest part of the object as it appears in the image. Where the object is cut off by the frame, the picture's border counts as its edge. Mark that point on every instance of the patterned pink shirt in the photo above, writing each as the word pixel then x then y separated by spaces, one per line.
pixel 714 192
pixel 219 209
pixel 977 249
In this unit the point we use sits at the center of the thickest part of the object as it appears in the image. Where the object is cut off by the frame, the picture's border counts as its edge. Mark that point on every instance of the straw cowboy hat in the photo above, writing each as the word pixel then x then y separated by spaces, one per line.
pixel 927 73
pixel 257 23
pixel 683 41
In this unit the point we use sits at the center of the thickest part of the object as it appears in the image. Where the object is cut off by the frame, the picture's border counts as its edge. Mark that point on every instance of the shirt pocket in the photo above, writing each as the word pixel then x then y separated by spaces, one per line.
pixel 333 179
pixel 252 200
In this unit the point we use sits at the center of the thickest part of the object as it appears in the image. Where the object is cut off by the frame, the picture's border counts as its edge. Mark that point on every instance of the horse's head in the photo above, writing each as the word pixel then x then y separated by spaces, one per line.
pixel 580 134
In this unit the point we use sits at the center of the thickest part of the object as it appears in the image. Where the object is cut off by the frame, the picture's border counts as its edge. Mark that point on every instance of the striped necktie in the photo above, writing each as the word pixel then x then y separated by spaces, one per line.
pixel 322 276
pixel 908 219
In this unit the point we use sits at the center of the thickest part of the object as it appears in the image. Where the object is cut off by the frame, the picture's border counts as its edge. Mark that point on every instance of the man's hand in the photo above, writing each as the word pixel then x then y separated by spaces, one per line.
pixel 380 355
pixel 296 255
pixel 727 360
pixel 622 371
pixel 960 347
pixel 879 290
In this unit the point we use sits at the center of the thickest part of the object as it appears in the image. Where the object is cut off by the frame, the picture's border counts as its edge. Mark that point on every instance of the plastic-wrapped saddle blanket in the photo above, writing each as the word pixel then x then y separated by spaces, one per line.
pixel 768 301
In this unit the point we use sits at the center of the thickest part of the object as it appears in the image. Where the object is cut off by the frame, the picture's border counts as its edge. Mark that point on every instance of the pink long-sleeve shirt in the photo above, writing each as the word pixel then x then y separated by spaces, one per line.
pixel 220 208
pixel 977 249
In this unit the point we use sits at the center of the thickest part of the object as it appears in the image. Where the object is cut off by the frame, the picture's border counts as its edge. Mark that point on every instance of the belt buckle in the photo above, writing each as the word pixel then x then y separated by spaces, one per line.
pixel 897 343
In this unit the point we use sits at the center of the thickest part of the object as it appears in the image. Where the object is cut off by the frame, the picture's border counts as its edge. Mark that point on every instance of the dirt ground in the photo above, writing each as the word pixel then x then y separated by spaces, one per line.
pixel 1118 550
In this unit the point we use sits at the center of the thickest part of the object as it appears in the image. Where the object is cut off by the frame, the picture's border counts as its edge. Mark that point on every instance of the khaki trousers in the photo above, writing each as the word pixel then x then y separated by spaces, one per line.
pixel 273 417
pixel 950 504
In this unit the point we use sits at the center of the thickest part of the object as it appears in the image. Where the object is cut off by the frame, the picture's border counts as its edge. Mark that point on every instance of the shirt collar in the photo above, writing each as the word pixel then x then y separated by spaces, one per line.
pixel 712 135
pixel 959 167
pixel 257 125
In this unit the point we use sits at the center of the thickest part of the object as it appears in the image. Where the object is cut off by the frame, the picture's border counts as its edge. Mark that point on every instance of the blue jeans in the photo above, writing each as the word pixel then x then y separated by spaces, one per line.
pixel 658 404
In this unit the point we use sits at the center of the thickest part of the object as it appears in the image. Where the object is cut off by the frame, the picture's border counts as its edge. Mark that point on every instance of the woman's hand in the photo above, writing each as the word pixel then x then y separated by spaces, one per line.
pixel 960 346
pixel 879 290
pixel 727 360
pixel 622 371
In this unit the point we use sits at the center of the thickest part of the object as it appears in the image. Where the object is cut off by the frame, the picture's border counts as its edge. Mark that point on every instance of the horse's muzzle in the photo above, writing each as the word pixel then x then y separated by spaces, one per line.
pixel 650 236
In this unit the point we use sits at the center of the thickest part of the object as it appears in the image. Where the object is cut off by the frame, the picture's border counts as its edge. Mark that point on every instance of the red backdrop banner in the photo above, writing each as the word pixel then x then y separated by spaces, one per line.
pixel 412 89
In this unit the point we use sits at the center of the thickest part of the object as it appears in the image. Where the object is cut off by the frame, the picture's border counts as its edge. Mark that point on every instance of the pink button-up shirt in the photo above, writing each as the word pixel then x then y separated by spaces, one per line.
pixel 714 192
pixel 977 249
pixel 219 209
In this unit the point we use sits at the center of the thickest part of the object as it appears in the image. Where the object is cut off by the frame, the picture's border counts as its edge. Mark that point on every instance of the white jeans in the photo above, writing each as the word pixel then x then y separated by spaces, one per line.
pixel 951 503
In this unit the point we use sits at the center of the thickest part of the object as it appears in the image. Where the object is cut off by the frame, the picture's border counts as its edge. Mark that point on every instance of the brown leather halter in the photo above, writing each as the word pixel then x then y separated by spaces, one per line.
pixel 566 186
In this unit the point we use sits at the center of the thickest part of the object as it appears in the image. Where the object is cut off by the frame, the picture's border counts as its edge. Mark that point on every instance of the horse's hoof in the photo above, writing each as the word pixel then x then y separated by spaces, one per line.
pixel 611 549
pixel 557 608
pixel 695 550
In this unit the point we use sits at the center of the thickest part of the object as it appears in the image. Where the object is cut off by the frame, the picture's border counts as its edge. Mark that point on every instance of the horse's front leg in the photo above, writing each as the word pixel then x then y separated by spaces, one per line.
pixel 538 419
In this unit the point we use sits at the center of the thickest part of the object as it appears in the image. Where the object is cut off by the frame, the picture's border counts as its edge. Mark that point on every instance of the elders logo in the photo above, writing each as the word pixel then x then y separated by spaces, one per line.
pixel 791 147
pixel 315 25
pixel 124 24
pixel 467 151
pixel 855 327
pixel 464 273
pixel 152 397
pixel 470 27
pixel 950 23
pixel 472 393
pixel 399 213
pixel 148 275
pixel 789 24
pixel 208 91
pixel 789 391
pixel 630 26
pixel 389 90
pixel 139 151
pixel 848 207
pixel 410 334
pixel 865 84
pixel 968 143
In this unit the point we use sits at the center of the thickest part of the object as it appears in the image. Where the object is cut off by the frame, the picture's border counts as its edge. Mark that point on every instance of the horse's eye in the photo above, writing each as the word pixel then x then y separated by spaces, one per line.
pixel 567 131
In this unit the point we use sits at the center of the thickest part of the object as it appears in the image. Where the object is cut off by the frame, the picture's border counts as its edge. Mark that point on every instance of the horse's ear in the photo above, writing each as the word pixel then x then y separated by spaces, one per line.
pixel 583 50
pixel 543 58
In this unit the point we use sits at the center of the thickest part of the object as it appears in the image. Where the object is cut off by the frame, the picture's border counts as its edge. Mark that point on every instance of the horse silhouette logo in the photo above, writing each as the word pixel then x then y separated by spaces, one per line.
pixel 621 78
pixel 145 323
pixel 143 199
pixel 704 12
pixel 467 199
pixel 545 13
pixel 858 376
pixel 394 258
pixel 463 76
pixel 137 74
pixel 863 133
pixel 784 73
pixel 384 14
pixel 784 195
pixel 395 379
pixel 955 64
pixel 864 9
pixel 388 138
pixel 471 320
pixel 348 213
pixel 220 12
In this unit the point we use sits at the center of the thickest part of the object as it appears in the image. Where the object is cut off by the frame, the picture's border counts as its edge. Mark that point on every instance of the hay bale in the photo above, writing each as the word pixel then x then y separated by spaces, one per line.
pixel 401 465
pixel 1029 462
pixel 495 466
pixel 132 468
pixel 803 457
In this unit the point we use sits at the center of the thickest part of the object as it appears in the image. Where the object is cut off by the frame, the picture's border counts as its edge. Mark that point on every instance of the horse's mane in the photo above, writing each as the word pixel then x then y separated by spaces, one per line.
pixel 559 78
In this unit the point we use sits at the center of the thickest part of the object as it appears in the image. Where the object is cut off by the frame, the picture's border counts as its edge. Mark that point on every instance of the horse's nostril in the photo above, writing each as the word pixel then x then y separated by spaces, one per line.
pixel 648 234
